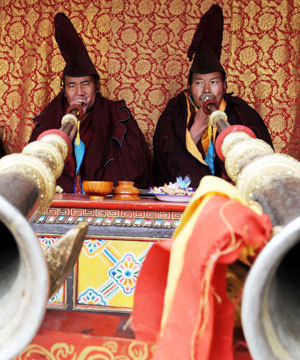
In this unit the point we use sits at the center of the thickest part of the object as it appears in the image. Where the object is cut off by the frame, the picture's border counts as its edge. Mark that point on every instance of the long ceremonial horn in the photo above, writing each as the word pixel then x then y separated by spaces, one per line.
pixel 29 276
pixel 270 304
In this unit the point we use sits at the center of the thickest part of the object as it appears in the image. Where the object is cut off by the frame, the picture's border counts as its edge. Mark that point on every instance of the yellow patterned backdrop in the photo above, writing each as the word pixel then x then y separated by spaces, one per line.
pixel 139 48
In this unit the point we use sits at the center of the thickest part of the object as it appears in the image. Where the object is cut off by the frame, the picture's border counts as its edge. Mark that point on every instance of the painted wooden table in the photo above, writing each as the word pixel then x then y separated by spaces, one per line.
pixel 119 236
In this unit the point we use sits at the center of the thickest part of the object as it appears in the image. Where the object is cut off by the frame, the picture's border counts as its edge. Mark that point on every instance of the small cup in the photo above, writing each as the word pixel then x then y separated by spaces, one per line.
pixel 97 190
pixel 126 191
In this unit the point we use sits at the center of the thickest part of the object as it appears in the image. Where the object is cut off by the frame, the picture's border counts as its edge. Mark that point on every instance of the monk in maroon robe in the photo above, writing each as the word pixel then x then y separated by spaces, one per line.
pixel 171 157
pixel 115 148
pixel 183 139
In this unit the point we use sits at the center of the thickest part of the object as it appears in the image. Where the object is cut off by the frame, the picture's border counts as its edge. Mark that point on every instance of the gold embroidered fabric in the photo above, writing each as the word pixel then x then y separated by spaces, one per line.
pixel 139 49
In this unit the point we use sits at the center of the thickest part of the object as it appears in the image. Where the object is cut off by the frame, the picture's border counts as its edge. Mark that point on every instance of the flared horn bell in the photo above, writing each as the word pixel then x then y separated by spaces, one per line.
pixel 29 275
pixel 23 281
pixel 270 182
pixel 271 298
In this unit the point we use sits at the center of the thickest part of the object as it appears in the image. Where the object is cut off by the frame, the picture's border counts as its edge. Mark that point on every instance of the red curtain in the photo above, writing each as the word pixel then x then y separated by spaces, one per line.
pixel 139 48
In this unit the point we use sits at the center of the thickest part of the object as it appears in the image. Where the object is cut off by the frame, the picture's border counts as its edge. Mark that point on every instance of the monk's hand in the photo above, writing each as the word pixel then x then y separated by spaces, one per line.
pixel 199 126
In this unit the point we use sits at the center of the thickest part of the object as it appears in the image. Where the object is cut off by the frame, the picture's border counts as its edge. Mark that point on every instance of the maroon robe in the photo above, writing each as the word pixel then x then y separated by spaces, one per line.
pixel 115 148
pixel 2 150
pixel 171 157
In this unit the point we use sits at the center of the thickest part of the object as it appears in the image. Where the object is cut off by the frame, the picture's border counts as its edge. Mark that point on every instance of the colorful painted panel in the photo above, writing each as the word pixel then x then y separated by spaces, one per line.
pixel 107 272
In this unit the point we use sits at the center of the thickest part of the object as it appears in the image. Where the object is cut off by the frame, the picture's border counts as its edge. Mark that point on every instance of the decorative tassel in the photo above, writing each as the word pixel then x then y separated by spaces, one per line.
pixel 79 150
pixel 209 158
pixel 78 135
pixel 210 154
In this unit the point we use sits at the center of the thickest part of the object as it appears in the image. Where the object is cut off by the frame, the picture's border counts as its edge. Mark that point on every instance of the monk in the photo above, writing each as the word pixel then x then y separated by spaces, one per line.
pixel 114 146
pixel 184 140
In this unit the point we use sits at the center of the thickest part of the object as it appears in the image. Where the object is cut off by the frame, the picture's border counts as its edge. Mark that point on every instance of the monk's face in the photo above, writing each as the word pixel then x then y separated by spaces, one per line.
pixel 80 90
pixel 211 83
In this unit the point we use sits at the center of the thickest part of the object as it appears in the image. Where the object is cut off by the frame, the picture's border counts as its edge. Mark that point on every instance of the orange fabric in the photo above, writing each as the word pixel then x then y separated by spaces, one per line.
pixel 200 323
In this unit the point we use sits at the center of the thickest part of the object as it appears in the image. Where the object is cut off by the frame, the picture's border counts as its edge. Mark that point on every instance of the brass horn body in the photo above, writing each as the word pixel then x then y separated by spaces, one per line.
pixel 23 281
pixel 271 297
pixel 29 275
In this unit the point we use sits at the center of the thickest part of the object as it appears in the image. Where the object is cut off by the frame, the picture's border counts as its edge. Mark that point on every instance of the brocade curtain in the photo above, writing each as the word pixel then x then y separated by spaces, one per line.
pixel 139 48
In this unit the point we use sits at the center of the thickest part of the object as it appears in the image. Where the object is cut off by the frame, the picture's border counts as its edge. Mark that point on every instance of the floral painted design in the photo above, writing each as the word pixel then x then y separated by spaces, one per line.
pixel 47 241
pixel 57 298
pixel 93 246
pixel 125 273
pixel 91 297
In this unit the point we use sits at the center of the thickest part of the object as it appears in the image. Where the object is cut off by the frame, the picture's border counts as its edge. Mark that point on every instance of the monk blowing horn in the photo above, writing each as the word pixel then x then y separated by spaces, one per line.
pixel 29 276
pixel 270 304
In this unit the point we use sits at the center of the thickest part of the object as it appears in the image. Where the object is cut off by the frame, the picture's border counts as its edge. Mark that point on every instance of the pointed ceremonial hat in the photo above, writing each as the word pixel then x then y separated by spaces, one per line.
pixel 206 45
pixel 72 48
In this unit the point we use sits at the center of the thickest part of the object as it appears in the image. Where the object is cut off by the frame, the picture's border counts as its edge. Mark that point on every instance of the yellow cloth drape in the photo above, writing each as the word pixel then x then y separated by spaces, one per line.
pixel 189 314
pixel 209 186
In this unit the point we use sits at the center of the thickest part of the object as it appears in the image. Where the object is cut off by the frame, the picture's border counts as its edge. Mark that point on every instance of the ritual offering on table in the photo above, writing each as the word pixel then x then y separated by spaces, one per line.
pixel 179 191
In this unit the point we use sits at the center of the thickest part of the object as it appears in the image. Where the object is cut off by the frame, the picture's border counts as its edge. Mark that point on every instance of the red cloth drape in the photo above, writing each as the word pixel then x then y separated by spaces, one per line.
pixel 200 323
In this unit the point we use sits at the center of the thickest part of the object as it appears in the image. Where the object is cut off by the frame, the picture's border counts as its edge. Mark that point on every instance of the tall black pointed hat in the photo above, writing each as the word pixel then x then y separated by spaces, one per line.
pixel 206 46
pixel 72 48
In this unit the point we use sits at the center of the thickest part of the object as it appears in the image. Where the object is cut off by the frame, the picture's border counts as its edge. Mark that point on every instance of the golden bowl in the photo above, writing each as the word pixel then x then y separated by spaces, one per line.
pixel 97 189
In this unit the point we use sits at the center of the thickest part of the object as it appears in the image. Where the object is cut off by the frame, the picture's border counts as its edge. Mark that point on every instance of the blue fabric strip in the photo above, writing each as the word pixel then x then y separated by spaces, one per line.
pixel 210 157
pixel 79 151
